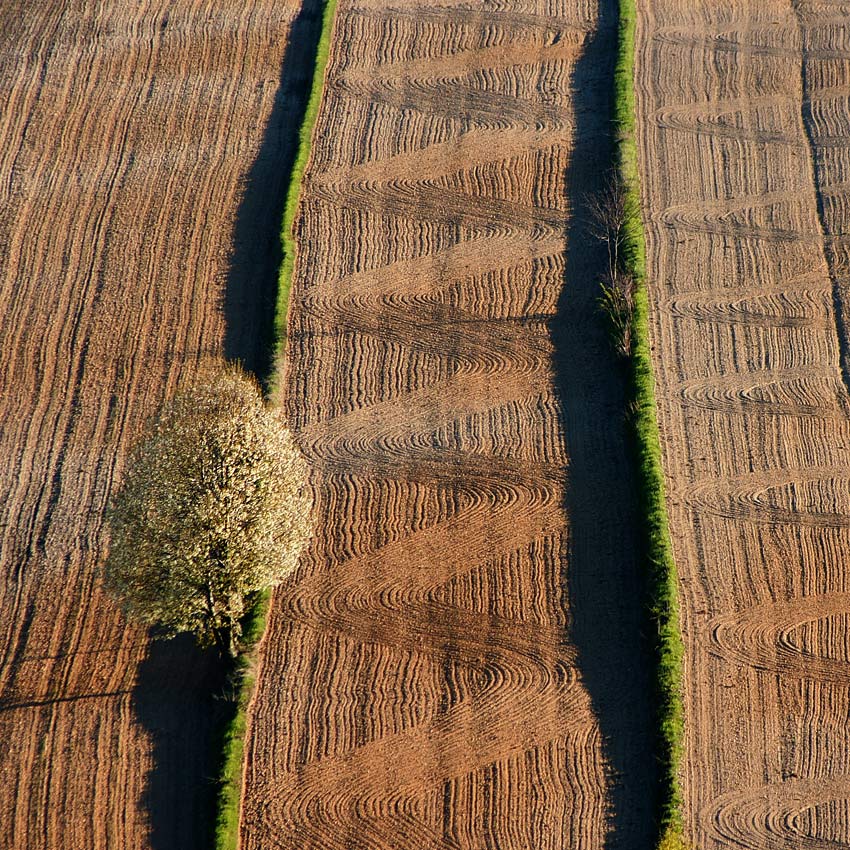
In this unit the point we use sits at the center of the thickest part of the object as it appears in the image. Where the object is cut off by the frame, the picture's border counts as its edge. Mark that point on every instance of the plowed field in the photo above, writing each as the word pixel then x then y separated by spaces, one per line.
pixel 127 130
pixel 744 125
pixel 455 664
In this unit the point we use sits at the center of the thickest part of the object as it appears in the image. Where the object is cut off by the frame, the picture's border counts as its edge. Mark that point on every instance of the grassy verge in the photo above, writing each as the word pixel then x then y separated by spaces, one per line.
pixel 241 679
pixel 243 674
pixel 298 168
pixel 662 575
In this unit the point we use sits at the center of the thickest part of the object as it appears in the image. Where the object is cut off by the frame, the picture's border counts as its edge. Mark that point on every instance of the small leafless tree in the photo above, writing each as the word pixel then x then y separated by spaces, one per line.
pixel 607 211
pixel 214 507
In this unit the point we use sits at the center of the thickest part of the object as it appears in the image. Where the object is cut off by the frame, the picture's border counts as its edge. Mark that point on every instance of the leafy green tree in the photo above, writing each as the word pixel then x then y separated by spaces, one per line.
pixel 213 508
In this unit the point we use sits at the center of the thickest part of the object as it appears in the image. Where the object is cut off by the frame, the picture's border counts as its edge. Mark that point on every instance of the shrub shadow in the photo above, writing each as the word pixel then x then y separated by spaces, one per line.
pixel 602 566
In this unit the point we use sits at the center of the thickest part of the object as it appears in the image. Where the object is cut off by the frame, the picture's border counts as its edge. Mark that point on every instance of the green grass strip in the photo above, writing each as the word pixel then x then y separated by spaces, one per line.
pixel 294 192
pixel 662 575
pixel 253 627
pixel 233 735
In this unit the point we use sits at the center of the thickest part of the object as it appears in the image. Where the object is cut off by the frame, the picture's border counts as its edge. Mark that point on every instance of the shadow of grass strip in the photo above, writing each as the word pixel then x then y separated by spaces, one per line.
pixel 294 190
pixel 243 674
pixel 241 678
pixel 662 575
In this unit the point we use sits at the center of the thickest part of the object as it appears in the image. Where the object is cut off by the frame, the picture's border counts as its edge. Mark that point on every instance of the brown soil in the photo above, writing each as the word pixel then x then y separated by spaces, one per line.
pixel 127 131
pixel 744 126
pixel 456 663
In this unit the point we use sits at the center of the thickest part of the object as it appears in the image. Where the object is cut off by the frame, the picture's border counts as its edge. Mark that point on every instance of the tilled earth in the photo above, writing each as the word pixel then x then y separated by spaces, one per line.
pixel 127 134
pixel 744 125
pixel 456 664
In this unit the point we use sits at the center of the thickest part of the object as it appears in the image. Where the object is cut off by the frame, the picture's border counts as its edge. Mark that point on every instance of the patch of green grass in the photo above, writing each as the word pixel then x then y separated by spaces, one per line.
pixel 242 677
pixel 294 192
pixel 241 680
pixel 662 574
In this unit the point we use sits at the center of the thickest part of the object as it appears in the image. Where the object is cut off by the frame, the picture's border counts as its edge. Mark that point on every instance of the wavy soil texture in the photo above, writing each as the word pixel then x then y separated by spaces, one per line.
pixel 127 132
pixel 744 125
pixel 456 664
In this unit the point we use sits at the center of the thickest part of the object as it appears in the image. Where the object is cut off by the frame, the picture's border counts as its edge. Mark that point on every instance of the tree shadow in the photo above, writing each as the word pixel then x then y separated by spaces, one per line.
pixel 602 566
pixel 252 281
pixel 179 697
pixel 177 700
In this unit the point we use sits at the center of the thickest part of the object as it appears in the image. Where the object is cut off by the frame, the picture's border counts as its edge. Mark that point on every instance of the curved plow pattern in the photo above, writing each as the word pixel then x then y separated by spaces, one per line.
pixel 769 217
pixel 780 637
pixel 744 149
pixel 782 815
pixel 774 394
pixel 418 687
pixel 810 497
pixel 794 307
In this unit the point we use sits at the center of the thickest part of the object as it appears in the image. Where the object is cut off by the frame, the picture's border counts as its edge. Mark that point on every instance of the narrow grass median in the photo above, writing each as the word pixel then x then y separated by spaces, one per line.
pixel 233 733
pixel 662 575
pixel 294 190
pixel 242 677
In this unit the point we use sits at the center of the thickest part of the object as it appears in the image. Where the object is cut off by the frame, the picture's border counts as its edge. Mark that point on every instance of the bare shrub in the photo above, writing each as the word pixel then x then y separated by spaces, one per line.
pixel 607 211
pixel 617 303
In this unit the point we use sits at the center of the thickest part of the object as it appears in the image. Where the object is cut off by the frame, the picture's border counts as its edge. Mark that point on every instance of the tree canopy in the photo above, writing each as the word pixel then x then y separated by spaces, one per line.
pixel 214 507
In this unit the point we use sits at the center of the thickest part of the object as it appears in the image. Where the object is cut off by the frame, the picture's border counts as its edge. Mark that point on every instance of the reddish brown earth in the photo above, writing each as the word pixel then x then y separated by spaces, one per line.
pixel 127 133
pixel 456 662
pixel 744 133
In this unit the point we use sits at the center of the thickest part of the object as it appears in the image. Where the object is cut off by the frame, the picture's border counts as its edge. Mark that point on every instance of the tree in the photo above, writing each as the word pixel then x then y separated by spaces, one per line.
pixel 607 214
pixel 213 508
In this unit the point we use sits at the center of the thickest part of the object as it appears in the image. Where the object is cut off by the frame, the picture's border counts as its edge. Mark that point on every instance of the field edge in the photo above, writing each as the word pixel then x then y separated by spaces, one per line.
pixel 230 779
pixel 662 575
pixel 243 676
pixel 293 194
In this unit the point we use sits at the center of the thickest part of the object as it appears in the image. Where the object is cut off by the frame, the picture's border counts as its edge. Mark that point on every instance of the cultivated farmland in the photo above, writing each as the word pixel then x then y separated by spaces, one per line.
pixel 463 658
pixel 127 134
pixel 743 116
pixel 457 662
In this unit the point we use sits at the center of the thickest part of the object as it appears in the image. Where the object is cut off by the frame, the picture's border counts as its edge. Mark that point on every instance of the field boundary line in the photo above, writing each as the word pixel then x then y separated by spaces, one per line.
pixel 662 575
pixel 243 676
pixel 293 194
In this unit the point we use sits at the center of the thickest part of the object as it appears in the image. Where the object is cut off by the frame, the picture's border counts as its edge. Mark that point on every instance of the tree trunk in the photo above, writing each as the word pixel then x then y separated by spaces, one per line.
pixel 225 642
pixel 224 634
